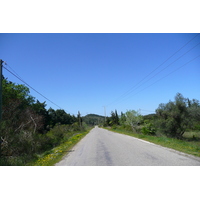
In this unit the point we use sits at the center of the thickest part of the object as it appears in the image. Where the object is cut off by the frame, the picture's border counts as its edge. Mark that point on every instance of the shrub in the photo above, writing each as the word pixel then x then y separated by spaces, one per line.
pixel 148 128
pixel 173 117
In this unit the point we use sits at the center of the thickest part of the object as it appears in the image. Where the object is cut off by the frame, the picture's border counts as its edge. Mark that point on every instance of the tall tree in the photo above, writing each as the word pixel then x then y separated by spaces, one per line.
pixel 20 121
pixel 122 119
pixel 116 118
pixel 174 117
pixel 79 119
pixel 133 119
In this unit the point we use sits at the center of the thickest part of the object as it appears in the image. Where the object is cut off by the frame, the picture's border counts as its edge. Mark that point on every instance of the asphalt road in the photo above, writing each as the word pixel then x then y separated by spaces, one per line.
pixel 105 148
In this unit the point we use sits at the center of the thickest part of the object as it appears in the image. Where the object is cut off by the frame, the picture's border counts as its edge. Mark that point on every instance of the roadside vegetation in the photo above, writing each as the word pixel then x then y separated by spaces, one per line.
pixel 28 130
pixel 30 134
pixel 176 125
pixel 56 154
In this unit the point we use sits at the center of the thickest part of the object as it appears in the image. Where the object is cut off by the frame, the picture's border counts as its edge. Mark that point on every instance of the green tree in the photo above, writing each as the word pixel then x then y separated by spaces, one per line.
pixel 133 119
pixel 40 109
pixel 59 117
pixel 173 117
pixel 79 119
pixel 194 113
pixel 148 128
pixel 52 117
pixel 20 122
pixel 122 119
pixel 114 119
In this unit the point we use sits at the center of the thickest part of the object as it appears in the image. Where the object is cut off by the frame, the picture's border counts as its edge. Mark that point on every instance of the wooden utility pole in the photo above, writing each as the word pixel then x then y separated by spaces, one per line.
pixel 105 112
pixel 1 65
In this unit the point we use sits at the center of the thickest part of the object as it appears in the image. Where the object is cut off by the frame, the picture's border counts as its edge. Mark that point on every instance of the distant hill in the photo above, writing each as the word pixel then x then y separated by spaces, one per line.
pixel 93 119
pixel 150 117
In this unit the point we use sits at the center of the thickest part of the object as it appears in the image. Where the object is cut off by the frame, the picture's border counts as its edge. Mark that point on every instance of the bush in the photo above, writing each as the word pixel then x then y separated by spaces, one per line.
pixel 114 126
pixel 173 117
pixel 148 129
pixel 57 135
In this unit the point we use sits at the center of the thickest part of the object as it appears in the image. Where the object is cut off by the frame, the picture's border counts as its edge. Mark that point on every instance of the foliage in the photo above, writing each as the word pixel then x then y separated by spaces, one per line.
pixel 29 129
pixel 150 117
pixel 54 155
pixel 114 119
pixel 194 113
pixel 92 119
pixel 148 128
pixel 133 119
pixel 25 125
pixel 122 119
pixel 20 121
pixel 58 134
pixel 80 120
pixel 59 116
pixel 174 118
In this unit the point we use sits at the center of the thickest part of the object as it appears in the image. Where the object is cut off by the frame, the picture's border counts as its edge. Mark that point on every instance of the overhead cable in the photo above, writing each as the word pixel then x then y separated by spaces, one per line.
pixel 164 77
pixel 133 88
pixel 33 88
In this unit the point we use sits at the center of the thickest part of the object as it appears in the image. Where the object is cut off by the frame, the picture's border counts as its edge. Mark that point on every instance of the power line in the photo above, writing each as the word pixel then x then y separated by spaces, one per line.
pixel 166 67
pixel 164 77
pixel 132 88
pixel 13 70
pixel 33 88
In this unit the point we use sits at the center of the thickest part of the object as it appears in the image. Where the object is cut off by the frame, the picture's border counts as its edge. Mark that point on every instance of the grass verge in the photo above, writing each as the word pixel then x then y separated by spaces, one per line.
pixel 51 157
pixel 187 146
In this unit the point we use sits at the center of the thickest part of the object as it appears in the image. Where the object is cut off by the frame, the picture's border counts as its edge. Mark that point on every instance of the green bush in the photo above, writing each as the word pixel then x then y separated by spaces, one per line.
pixel 57 135
pixel 173 117
pixel 197 127
pixel 114 126
pixel 148 129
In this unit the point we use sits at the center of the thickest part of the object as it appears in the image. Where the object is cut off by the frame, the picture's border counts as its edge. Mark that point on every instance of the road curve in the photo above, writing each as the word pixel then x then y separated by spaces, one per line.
pixel 101 147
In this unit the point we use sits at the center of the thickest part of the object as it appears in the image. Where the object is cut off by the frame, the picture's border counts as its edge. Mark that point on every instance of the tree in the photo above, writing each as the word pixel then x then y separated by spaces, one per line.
pixel 133 119
pixel 59 117
pixel 52 117
pixel 122 119
pixel 20 121
pixel 40 109
pixel 79 119
pixel 173 117
pixel 194 113
pixel 114 119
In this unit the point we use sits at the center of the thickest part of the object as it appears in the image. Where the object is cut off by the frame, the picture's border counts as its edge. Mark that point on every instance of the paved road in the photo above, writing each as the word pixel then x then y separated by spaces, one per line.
pixel 105 148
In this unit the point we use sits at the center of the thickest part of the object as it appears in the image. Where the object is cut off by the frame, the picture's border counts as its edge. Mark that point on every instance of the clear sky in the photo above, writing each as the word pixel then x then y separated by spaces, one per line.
pixel 84 72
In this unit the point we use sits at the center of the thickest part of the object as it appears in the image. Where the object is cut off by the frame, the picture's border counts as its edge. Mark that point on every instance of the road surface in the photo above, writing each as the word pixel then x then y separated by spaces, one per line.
pixel 101 147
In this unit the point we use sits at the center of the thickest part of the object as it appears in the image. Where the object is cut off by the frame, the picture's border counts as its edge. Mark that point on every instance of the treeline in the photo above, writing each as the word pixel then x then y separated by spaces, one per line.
pixel 172 119
pixel 93 119
pixel 27 128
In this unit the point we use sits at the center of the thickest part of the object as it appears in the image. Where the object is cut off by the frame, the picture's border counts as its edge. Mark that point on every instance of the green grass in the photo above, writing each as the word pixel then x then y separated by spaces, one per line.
pixel 50 158
pixel 188 145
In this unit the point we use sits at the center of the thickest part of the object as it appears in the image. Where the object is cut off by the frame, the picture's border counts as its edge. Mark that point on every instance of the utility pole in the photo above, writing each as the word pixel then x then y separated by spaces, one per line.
pixel 1 66
pixel 105 112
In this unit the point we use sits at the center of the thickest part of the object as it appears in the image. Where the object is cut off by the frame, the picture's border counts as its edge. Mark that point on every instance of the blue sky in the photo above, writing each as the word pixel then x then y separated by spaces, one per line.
pixel 84 72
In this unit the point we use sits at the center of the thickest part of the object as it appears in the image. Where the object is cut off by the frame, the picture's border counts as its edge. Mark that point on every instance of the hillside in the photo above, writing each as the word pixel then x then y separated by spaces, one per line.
pixel 93 119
